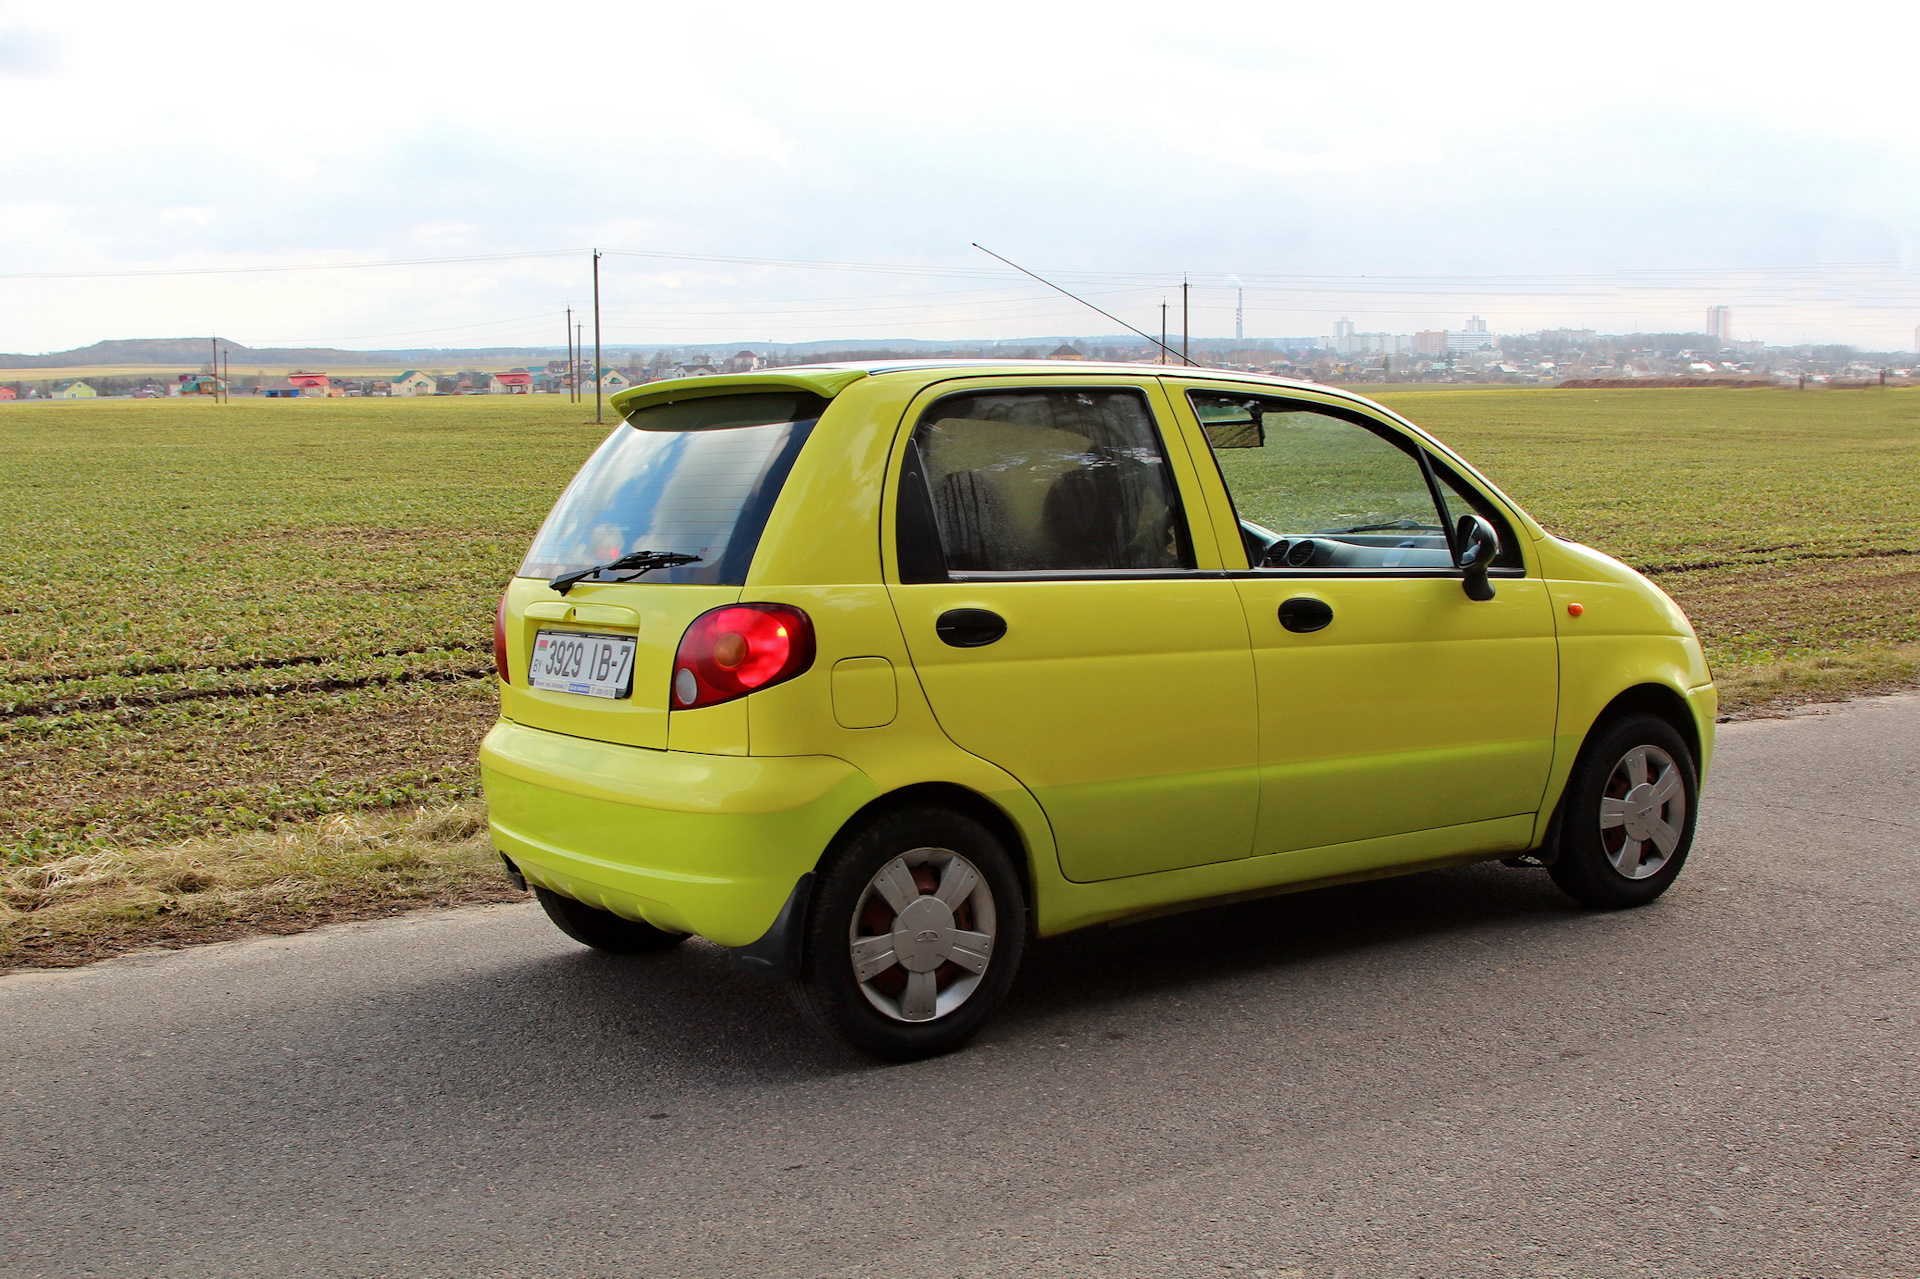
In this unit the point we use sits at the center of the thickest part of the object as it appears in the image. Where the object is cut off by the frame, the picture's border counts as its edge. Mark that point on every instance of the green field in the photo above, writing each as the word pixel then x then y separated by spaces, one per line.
pixel 1787 524
pixel 224 615
pixel 220 618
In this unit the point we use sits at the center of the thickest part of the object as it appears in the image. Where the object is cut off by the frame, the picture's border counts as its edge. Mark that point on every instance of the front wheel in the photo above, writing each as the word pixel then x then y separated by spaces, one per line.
pixel 1629 813
pixel 915 928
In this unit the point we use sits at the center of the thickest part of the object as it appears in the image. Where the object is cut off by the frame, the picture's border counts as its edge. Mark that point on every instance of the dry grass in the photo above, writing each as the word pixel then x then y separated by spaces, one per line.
pixel 1777 688
pixel 345 866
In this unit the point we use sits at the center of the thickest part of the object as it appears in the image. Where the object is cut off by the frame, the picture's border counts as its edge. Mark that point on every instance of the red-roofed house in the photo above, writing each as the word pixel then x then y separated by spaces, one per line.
pixel 312 383
pixel 516 382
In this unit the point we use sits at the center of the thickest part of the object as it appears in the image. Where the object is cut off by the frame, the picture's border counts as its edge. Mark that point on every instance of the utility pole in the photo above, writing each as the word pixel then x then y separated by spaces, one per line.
pixel 573 369
pixel 579 359
pixel 213 367
pixel 1239 313
pixel 1186 329
pixel 596 336
pixel 1163 330
pixel 226 376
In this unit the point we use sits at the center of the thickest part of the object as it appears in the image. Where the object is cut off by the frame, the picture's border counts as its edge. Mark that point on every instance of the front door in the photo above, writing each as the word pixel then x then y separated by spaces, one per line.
pixel 1390 702
pixel 1066 626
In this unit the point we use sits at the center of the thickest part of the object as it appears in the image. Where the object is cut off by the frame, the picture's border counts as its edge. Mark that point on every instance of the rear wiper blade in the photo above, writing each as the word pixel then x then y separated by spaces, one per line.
pixel 643 561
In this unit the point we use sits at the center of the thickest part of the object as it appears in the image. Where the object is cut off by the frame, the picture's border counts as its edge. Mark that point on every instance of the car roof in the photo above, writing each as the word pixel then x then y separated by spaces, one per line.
pixel 830 379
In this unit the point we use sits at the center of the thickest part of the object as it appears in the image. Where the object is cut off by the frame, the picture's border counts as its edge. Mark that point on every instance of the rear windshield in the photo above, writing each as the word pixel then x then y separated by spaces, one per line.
pixel 698 476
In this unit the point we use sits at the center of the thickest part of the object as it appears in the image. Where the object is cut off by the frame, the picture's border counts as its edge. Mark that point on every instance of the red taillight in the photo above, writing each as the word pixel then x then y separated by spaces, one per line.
pixel 500 643
pixel 736 650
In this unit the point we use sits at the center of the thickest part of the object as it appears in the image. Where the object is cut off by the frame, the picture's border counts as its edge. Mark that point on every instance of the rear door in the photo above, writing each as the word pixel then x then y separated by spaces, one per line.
pixel 1390 702
pixel 1068 625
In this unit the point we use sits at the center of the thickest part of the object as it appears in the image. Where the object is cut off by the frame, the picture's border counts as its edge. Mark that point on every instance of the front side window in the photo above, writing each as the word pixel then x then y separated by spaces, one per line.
pixel 1314 489
pixel 1046 481
pixel 696 476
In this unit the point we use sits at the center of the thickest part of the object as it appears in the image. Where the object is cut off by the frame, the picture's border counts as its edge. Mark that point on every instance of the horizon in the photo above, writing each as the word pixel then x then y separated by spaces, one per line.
pixel 1249 343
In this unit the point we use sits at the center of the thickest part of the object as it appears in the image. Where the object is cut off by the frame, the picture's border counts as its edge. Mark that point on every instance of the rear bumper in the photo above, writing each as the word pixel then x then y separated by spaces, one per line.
pixel 705 844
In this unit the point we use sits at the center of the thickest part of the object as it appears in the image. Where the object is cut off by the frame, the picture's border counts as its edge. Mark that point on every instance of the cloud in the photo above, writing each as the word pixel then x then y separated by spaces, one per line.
pixel 1530 157
pixel 25 51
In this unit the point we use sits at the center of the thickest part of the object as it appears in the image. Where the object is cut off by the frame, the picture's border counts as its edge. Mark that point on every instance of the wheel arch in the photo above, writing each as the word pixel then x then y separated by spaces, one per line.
pixel 961 799
pixel 1648 696
pixel 1658 700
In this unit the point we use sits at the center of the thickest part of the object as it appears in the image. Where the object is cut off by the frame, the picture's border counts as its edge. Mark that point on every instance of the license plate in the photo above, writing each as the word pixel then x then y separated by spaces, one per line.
pixel 583 663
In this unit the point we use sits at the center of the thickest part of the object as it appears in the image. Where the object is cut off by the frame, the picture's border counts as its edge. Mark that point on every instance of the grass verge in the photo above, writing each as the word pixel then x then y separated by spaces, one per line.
pixel 1780 688
pixel 345 866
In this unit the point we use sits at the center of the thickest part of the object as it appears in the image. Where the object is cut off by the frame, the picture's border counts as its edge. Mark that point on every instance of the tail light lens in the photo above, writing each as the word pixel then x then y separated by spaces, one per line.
pixel 500 643
pixel 732 651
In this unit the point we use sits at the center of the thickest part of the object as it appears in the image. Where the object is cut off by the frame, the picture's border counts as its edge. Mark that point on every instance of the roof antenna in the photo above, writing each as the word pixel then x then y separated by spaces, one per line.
pixel 1083 302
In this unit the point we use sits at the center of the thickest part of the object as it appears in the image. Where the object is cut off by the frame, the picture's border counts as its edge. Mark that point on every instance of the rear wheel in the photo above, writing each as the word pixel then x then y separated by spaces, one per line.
pixel 916 925
pixel 1628 822
pixel 602 929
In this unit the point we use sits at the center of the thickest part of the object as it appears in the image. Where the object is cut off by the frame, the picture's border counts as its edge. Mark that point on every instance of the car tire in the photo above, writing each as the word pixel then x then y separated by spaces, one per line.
pixel 901 991
pixel 602 929
pixel 1628 814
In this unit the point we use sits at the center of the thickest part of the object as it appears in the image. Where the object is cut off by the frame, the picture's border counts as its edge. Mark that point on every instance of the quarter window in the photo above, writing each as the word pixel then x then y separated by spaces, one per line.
pixel 1046 481
pixel 1317 490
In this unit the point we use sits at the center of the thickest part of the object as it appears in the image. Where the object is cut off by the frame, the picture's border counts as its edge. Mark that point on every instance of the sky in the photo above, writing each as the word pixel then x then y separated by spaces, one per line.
pixel 779 172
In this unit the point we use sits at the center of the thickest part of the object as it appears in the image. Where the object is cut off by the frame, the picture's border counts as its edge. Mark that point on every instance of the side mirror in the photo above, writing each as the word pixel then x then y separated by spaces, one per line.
pixel 1475 547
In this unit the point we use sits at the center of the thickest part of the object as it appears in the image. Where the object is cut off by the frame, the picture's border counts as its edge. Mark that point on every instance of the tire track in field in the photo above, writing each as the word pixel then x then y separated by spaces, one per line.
pixel 251 664
pixel 144 701
pixel 1693 566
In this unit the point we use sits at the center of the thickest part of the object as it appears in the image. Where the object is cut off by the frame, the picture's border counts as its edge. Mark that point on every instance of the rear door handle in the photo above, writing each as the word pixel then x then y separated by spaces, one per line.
pixel 970 627
pixel 1303 613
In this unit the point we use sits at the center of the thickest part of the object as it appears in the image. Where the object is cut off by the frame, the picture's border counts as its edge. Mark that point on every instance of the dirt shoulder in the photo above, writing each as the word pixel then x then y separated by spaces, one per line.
pixel 110 901
pixel 1786 688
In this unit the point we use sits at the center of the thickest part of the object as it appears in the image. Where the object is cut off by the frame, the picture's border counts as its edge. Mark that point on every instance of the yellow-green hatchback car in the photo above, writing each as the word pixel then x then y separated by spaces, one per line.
pixel 876 673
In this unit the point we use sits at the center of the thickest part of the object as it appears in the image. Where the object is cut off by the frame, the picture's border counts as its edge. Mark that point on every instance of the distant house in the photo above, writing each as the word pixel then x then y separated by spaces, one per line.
pixel 514 382
pixel 614 380
pixel 743 362
pixel 197 384
pixel 7 393
pixel 281 391
pixel 413 382
pixel 73 391
pixel 1064 352
pixel 700 367
pixel 315 384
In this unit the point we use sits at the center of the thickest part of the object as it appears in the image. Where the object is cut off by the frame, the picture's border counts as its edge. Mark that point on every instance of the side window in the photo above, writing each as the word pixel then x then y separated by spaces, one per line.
pixel 1040 481
pixel 1314 489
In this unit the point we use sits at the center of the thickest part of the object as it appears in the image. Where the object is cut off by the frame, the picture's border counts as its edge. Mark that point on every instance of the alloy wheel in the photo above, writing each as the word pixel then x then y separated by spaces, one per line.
pixel 1643 812
pixel 922 934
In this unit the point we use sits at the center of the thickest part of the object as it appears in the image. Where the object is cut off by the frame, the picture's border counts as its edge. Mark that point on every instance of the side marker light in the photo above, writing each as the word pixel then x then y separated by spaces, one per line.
pixel 1574 610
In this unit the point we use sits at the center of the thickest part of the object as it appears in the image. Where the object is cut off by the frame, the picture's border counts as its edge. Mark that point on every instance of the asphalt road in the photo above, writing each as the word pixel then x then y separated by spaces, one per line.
pixel 1454 1074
